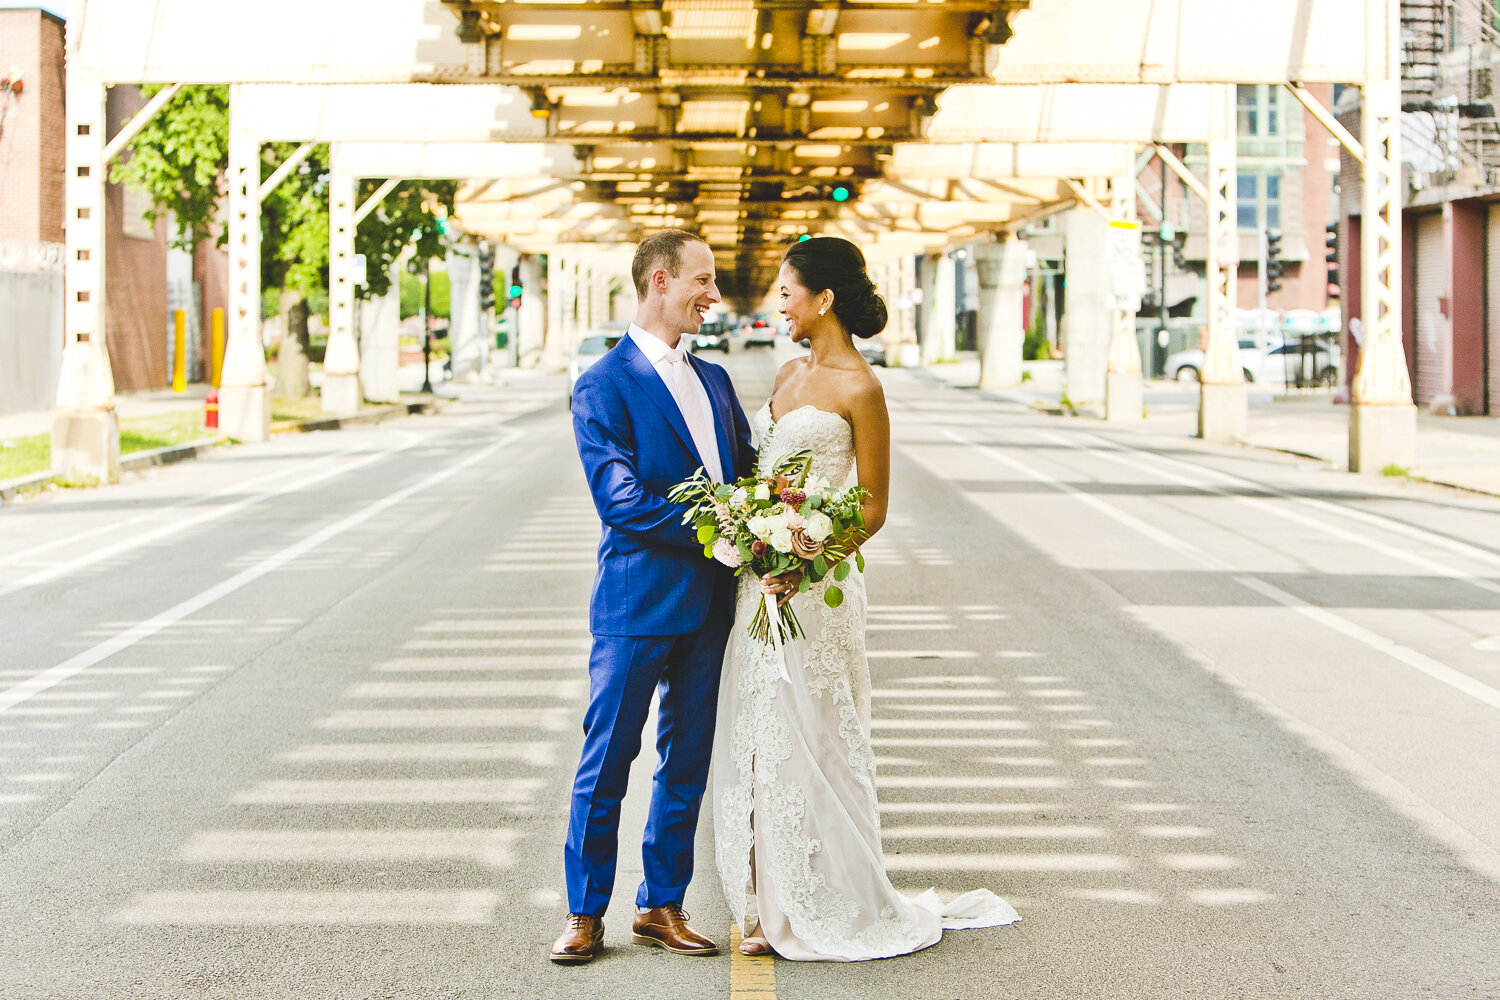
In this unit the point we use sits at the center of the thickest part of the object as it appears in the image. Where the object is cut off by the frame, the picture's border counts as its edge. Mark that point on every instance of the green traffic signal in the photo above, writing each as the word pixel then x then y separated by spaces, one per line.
pixel 841 193
pixel 515 291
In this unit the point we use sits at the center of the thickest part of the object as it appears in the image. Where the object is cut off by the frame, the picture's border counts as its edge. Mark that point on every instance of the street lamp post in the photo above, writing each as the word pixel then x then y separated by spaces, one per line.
pixel 426 325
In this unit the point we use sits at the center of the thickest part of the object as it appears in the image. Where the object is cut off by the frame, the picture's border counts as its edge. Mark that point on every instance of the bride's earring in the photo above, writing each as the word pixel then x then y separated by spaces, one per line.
pixel 823 311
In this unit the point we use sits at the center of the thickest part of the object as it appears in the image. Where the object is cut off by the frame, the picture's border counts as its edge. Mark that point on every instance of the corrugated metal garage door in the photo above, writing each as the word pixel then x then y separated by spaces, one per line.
pixel 1434 332
pixel 1492 315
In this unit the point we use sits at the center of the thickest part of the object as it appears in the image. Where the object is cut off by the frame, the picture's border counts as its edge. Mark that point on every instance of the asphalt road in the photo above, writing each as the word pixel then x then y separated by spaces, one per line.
pixel 299 720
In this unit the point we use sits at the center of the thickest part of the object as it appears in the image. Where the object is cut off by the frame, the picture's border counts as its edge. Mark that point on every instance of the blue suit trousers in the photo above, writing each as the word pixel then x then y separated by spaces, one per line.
pixel 623 673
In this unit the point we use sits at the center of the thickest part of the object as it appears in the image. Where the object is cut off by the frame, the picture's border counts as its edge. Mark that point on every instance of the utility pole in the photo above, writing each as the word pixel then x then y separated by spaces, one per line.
pixel 1163 338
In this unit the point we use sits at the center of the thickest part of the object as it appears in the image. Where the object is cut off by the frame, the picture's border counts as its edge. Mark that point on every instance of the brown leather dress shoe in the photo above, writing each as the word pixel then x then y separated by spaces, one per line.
pixel 667 927
pixel 580 942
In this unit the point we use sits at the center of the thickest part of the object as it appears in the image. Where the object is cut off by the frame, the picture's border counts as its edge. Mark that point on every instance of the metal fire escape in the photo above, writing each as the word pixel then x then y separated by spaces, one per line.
pixel 1450 55
pixel 1424 39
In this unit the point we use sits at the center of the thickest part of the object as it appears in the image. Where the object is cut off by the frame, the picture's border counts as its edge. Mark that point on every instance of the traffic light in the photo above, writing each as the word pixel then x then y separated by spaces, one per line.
pixel 841 192
pixel 1331 242
pixel 514 292
pixel 486 277
pixel 1274 266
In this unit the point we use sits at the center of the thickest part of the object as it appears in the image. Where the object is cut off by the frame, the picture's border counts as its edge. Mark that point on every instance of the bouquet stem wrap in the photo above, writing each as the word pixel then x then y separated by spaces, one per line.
pixel 786 628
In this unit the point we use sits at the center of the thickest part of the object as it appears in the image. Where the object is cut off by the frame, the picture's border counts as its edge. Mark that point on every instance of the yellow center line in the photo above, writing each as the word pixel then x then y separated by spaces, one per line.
pixel 751 977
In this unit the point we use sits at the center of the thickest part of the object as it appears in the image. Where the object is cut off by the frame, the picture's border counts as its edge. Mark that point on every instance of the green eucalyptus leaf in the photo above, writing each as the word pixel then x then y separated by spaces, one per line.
pixel 833 597
pixel 859 560
pixel 820 566
pixel 705 533
pixel 841 572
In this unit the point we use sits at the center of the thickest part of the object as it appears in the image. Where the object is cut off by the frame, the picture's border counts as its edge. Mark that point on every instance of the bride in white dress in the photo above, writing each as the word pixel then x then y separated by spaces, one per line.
pixel 797 826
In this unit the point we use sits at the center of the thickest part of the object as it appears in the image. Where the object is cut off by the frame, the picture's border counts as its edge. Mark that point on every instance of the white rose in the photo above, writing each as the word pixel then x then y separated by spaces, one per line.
pixel 792 518
pixel 818 525
pixel 738 497
pixel 762 492
pixel 780 537
pixel 762 526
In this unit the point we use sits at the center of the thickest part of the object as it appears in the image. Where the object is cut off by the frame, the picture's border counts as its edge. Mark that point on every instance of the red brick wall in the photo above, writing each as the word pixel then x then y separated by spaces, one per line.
pixel 135 279
pixel 1466 279
pixel 211 271
pixel 31 149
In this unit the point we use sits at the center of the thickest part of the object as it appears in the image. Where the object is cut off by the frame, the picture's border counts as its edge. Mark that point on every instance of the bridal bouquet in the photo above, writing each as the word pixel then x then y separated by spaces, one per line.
pixel 776 523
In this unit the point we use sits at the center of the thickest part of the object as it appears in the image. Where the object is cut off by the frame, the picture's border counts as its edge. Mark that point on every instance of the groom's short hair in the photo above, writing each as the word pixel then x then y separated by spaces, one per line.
pixel 663 249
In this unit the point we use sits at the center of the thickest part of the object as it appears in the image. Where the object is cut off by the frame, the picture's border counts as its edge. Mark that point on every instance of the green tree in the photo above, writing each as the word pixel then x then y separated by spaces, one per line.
pixel 181 158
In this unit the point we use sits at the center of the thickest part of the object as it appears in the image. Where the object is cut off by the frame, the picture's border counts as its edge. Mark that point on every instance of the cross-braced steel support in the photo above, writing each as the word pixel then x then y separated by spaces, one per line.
pixel 341 394
pixel 1123 392
pixel 244 398
pixel 1382 419
pixel 1223 405
pixel 85 432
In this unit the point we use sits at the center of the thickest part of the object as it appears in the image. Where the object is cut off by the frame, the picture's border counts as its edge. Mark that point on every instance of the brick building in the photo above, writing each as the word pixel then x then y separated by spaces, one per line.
pixel 145 279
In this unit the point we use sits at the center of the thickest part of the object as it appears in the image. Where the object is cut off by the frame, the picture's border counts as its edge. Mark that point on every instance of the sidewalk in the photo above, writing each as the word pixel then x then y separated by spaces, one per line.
pixel 1463 452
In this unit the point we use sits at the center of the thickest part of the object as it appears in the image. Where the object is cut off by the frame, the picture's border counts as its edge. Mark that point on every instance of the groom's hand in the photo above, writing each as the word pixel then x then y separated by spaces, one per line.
pixel 783 586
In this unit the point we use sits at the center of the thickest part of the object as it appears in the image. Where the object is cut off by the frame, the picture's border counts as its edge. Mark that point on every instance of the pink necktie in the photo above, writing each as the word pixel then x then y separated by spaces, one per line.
pixel 684 386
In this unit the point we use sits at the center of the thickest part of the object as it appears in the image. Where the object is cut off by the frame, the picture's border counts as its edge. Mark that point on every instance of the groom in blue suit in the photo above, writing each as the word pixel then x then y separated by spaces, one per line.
pixel 646 416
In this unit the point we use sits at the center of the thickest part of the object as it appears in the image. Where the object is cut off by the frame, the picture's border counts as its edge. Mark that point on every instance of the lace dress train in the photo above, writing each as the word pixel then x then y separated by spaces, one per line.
pixel 797 826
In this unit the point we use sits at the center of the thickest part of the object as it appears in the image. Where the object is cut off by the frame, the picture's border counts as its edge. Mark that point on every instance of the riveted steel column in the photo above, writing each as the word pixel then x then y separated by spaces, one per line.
pixel 1223 405
pixel 341 393
pixel 1382 419
pixel 1001 270
pixel 244 397
pixel 85 431
pixel 1123 393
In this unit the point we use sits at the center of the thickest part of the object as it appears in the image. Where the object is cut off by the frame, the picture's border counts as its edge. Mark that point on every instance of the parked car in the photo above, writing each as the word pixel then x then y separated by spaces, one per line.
pixel 760 333
pixel 872 351
pixel 1275 364
pixel 713 335
pixel 1187 366
pixel 589 351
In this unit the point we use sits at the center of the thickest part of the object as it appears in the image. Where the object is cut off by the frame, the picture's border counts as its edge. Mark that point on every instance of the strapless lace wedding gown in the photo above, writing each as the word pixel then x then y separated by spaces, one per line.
pixel 796 824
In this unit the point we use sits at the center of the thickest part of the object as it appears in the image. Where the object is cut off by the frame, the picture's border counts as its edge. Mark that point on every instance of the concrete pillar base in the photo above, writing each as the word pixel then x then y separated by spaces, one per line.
pixel 341 395
pixel 1124 398
pixel 245 412
pixel 1382 436
pixel 86 445
pixel 1223 412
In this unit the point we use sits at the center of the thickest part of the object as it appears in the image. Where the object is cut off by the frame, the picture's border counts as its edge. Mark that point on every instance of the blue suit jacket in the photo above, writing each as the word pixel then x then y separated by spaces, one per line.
pixel 653 578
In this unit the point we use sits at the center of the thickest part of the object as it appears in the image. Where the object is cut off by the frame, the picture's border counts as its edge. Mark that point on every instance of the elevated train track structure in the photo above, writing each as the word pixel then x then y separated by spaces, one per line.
pixel 908 127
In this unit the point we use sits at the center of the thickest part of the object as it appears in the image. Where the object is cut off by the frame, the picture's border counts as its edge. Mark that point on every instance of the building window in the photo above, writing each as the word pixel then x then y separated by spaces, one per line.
pixel 1247 200
pixel 1258 110
pixel 1258 194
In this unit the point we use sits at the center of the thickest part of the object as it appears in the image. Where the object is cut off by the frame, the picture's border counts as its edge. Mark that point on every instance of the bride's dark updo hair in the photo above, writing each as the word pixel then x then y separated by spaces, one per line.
pixel 835 264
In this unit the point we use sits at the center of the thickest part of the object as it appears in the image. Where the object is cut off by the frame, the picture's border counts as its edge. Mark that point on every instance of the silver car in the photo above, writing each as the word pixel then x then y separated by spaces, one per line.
pixel 588 351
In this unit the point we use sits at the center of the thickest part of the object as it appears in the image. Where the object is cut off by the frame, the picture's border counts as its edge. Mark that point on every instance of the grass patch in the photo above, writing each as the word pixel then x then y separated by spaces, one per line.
pixel 306 408
pixel 163 431
pixel 25 456
pixel 29 456
pixel 1395 470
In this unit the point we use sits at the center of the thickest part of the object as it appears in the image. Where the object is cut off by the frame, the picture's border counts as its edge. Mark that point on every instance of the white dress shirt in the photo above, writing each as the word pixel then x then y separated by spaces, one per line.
pixel 660 356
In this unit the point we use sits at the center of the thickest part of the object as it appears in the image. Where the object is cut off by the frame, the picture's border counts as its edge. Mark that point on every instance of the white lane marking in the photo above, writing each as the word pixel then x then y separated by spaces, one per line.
pixel 1440 672
pixel 74 665
pixel 283 908
pixel 126 544
pixel 1456 679
pixel 1364 541
pixel 25 554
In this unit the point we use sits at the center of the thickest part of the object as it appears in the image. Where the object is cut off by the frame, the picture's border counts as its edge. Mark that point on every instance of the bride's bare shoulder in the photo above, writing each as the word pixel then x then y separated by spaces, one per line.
pixel 786 371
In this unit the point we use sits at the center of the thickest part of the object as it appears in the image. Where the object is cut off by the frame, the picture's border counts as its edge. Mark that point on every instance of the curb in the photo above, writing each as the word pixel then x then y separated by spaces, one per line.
pixel 371 416
pixel 172 454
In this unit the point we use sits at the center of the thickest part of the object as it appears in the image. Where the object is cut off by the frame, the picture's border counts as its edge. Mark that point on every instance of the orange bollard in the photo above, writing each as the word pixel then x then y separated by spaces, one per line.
pixel 211 409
